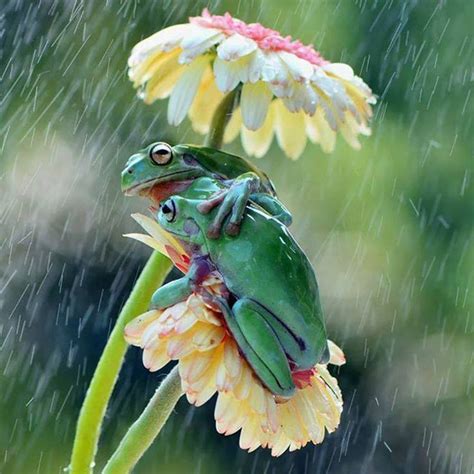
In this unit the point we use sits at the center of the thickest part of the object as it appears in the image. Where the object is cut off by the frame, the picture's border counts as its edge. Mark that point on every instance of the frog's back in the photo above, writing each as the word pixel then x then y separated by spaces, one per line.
pixel 227 166
pixel 267 265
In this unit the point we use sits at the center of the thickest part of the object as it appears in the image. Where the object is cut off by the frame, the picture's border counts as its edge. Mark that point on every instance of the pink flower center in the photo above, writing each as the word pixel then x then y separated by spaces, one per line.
pixel 266 38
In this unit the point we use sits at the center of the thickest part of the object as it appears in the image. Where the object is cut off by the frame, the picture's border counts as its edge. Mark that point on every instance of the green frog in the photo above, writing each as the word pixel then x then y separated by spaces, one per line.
pixel 161 170
pixel 273 309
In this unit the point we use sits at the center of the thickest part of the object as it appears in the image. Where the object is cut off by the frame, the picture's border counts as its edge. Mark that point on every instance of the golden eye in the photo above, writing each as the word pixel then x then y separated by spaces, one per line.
pixel 161 153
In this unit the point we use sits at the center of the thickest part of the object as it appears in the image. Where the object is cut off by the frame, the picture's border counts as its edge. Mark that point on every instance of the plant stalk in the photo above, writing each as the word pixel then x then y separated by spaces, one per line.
pixel 220 119
pixel 146 428
pixel 103 381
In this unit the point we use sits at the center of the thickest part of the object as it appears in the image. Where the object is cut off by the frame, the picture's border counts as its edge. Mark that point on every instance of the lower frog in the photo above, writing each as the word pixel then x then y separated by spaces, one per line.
pixel 273 311
pixel 160 170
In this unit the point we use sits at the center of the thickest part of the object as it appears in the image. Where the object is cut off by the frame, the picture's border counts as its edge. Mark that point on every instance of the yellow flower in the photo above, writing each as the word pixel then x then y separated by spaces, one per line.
pixel 209 361
pixel 288 89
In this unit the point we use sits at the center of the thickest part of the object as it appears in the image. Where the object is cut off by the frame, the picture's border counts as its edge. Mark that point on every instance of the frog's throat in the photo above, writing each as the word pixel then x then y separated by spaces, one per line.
pixel 165 178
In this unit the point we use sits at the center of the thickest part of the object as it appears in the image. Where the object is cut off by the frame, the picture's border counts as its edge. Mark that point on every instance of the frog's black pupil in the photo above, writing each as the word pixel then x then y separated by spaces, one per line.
pixel 162 151
pixel 169 210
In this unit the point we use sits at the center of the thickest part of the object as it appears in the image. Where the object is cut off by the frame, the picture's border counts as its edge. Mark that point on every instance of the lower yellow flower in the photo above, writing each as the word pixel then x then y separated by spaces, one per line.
pixel 209 362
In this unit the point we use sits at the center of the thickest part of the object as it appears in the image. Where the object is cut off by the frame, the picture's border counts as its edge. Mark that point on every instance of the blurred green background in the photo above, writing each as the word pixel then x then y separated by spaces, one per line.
pixel 389 230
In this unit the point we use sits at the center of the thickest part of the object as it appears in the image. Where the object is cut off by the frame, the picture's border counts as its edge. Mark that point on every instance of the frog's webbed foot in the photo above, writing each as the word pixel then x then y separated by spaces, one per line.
pixel 231 202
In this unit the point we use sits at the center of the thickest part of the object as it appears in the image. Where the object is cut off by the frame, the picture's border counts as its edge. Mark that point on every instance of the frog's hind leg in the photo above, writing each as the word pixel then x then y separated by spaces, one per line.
pixel 303 355
pixel 259 345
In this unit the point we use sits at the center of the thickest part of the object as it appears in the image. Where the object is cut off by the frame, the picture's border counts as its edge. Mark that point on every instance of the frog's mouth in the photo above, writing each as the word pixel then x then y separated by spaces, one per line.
pixel 146 186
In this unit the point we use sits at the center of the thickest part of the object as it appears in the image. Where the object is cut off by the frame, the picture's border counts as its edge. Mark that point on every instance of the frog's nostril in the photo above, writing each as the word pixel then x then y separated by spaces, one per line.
pixel 130 171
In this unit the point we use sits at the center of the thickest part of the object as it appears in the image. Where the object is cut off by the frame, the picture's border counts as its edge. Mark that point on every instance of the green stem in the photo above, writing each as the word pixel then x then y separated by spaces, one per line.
pixel 146 428
pixel 220 119
pixel 99 392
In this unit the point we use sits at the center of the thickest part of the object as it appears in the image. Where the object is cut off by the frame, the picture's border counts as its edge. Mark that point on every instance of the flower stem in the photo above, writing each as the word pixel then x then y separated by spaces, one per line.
pixel 220 120
pixel 99 392
pixel 146 428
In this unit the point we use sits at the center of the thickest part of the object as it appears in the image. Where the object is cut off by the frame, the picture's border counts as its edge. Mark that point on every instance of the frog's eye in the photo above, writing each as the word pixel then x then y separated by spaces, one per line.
pixel 169 210
pixel 161 153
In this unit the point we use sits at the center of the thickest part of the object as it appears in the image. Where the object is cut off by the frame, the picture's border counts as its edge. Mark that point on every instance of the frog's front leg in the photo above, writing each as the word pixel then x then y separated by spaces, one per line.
pixel 178 290
pixel 258 343
pixel 273 206
pixel 231 201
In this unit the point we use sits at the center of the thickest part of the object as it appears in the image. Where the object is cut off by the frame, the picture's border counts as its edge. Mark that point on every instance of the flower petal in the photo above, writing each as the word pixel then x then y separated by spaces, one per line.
pixel 164 40
pixel 156 358
pixel 205 103
pixel 198 41
pixel 235 47
pixel 300 69
pixel 135 328
pixel 227 74
pixel 337 357
pixel 185 90
pixel 163 78
pixel 208 337
pixel 192 367
pixel 254 103
pixel 233 127
pixel 290 130
pixel 256 143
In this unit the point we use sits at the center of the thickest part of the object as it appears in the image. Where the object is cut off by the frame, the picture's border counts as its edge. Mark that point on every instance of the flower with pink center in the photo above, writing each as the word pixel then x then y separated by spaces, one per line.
pixel 210 362
pixel 287 89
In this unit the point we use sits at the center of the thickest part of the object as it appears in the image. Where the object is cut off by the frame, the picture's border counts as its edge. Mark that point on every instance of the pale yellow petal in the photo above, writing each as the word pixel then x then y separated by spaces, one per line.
pixel 164 78
pixel 242 389
pixel 233 127
pixel 280 444
pixel 156 358
pixel 337 357
pixel 349 130
pixel 232 360
pixel 164 40
pixel 230 416
pixel 256 398
pixel 256 143
pixel 290 423
pixel 205 103
pixel 135 328
pixel 207 337
pixel 148 240
pixel 201 311
pixel 250 436
pixel 290 130
pixel 271 413
pixel 185 322
pixel 254 103
pixel 326 136
pixel 158 233
pixel 185 90
pixel 192 367
pixel 181 345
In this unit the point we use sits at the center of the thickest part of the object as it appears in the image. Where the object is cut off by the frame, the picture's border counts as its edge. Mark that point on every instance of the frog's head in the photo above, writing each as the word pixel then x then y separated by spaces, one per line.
pixel 157 164
pixel 180 217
